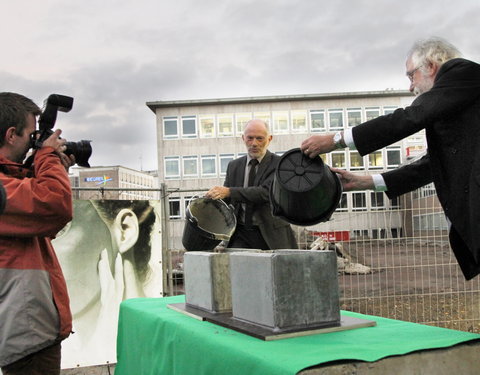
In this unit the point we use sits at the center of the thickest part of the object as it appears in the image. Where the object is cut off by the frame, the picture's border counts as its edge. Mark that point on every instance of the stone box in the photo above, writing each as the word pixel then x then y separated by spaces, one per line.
pixel 285 289
pixel 207 281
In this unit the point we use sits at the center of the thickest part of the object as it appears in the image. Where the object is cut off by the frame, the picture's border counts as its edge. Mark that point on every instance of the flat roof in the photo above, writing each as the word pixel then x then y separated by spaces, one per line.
pixel 280 98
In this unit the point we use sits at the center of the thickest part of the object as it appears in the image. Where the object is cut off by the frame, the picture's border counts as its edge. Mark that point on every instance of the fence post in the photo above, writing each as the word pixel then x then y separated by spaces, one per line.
pixel 167 287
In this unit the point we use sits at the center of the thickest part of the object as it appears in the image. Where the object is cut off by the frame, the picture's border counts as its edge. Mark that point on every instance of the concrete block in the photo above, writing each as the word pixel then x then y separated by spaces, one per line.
pixel 285 289
pixel 207 281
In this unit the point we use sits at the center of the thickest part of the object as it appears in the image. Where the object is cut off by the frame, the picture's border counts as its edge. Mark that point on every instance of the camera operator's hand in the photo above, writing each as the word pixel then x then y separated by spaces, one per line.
pixel 59 145
pixel 55 141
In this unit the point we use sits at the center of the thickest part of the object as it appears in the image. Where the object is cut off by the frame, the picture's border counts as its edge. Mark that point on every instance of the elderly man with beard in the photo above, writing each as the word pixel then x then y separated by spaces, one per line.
pixel 448 108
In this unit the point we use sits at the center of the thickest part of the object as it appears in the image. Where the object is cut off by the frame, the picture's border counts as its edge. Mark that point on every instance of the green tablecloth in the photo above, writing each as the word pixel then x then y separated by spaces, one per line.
pixel 153 339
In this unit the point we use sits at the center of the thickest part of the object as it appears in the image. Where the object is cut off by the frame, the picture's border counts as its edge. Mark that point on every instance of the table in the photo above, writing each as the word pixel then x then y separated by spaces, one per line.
pixel 153 339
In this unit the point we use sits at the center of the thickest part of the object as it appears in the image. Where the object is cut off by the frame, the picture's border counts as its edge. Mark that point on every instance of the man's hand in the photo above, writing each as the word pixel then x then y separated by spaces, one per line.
pixel 59 145
pixel 317 144
pixel 218 192
pixel 351 182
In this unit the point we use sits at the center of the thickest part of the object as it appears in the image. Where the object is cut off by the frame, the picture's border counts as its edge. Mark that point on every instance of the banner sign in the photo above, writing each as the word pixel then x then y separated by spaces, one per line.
pixel 109 252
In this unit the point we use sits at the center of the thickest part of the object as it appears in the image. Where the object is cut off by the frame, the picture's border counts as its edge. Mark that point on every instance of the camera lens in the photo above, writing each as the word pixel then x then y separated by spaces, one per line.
pixel 81 150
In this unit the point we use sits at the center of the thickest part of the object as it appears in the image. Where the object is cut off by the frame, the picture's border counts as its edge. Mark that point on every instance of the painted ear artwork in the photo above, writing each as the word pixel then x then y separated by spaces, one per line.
pixel 108 252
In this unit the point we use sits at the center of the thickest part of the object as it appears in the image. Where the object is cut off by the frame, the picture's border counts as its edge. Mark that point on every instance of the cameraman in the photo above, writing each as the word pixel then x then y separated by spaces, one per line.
pixel 34 305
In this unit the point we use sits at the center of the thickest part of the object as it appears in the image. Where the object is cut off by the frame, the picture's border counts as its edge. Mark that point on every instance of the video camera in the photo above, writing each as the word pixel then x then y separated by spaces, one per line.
pixel 54 103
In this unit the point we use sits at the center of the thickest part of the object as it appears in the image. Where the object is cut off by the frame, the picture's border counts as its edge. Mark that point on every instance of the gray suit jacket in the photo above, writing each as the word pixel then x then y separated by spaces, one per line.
pixel 277 233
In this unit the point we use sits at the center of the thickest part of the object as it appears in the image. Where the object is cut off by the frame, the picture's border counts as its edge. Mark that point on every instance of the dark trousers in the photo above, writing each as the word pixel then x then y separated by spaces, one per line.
pixel 43 362
pixel 247 238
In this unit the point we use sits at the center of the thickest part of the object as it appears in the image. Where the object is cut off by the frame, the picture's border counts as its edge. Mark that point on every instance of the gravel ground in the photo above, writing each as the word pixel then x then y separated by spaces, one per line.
pixel 411 282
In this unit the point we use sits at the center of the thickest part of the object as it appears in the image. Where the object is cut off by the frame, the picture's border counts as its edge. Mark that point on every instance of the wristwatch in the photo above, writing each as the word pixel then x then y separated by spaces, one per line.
pixel 338 140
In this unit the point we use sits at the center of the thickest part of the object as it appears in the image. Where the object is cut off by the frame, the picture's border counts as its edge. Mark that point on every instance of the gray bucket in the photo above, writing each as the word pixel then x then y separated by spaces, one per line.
pixel 304 191
pixel 208 222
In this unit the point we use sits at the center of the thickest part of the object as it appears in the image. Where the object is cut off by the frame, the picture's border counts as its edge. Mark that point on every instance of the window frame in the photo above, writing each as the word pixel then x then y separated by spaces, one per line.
pixel 334 111
pixel 172 158
pixel 317 112
pixel 189 118
pixel 170 118
pixel 205 158
pixel 186 158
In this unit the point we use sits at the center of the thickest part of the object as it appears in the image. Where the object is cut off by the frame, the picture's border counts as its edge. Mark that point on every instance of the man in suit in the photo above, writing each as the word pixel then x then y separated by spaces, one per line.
pixel 246 186
pixel 448 108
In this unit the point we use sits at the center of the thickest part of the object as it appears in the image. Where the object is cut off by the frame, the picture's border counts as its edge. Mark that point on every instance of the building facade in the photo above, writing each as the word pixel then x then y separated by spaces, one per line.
pixel 114 182
pixel 198 138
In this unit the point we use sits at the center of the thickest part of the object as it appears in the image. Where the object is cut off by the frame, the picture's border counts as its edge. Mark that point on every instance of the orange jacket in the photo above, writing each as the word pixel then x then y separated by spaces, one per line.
pixel 34 303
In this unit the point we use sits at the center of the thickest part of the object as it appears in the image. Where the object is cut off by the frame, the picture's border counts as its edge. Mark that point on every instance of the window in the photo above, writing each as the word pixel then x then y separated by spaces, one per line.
pixel 280 122
pixel 359 201
pixel 170 127
pixel 264 116
pixel 439 221
pixel 190 166
pixel 317 121
pixel 435 221
pixel 241 120
pixel 299 121
pixel 354 116
pixel 174 207
pixel 425 191
pixel 338 159
pixel 377 199
pixel 375 160
pixel 342 205
pixel 172 167
pixel 388 110
pixel 207 126
pixel 371 113
pixel 379 233
pixel 360 233
pixel 335 118
pixel 225 125
pixel 393 157
pixel 209 166
pixel 189 126
pixel 395 203
pixel 356 160
pixel 224 160
pixel 417 138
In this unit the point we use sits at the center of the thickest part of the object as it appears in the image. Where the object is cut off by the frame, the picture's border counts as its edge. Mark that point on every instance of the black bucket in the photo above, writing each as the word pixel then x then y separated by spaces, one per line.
pixel 208 222
pixel 304 191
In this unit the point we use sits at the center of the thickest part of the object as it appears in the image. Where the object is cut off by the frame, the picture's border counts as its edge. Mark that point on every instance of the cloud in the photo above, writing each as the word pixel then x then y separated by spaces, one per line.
pixel 114 56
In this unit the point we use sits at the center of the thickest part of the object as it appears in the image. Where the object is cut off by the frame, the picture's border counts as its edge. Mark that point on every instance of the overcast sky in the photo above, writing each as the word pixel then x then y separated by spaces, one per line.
pixel 113 56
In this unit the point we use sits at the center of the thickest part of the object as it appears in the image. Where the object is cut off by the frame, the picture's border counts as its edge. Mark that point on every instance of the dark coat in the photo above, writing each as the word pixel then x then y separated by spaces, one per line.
pixel 276 232
pixel 450 115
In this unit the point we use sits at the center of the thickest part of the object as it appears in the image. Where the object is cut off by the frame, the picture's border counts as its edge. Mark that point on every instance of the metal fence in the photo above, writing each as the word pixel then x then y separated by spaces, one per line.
pixel 410 276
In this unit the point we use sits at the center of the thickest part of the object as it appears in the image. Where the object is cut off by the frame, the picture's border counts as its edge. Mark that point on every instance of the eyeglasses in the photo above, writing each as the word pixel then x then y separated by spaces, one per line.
pixel 412 72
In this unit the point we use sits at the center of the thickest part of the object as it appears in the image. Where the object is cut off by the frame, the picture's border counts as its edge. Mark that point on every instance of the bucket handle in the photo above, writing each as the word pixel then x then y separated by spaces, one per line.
pixel 193 220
